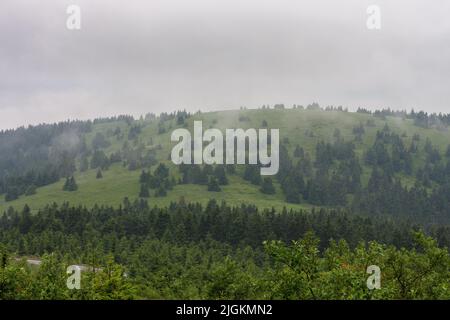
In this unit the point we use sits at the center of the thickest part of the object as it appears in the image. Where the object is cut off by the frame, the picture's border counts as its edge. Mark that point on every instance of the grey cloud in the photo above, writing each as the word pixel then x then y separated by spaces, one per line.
pixel 160 55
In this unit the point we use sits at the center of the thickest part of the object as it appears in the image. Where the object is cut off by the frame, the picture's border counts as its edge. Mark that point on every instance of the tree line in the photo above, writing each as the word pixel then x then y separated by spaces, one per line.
pixel 187 251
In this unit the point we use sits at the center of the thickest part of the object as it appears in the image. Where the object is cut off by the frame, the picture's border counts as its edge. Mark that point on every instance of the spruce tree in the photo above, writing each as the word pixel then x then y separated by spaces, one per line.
pixel 213 185
pixel 99 174
pixel 299 152
pixel 143 193
pixel 70 184
pixel 220 174
pixel 267 186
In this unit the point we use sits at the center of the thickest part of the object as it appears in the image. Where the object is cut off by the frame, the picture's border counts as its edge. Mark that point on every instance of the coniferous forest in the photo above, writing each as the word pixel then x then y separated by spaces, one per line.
pixel 354 190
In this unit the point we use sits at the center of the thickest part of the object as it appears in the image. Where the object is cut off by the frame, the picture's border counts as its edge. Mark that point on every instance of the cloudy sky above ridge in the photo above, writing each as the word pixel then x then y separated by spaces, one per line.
pixel 134 57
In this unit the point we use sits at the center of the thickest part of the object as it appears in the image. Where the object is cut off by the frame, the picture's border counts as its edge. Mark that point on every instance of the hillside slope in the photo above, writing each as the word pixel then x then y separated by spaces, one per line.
pixel 305 128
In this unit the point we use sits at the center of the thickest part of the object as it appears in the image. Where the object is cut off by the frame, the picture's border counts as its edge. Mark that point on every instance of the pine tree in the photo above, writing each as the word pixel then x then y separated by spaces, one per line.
pixel 99 160
pixel 213 185
pixel 100 141
pixel 267 186
pixel 73 184
pixel 11 194
pixel 144 177
pixel 220 174
pixel 291 190
pixel 99 174
pixel 66 184
pixel 70 184
pixel 252 174
pixel 299 152
pixel 143 193
pixel 161 171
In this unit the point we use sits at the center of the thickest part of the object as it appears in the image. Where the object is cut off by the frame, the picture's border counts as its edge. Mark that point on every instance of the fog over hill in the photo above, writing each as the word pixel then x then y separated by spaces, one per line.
pixel 166 55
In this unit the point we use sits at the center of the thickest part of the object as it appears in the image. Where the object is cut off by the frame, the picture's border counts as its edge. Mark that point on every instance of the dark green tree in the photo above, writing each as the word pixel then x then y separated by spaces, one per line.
pixel 213 185
pixel 99 174
pixel 267 186
pixel 70 184
pixel 143 193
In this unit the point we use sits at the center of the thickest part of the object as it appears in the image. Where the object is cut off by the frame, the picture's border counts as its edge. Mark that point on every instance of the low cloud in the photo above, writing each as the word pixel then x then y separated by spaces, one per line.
pixel 162 55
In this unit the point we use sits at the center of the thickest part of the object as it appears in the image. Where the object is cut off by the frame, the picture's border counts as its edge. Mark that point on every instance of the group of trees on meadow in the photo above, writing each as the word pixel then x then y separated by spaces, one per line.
pixel 211 176
pixel 336 174
pixel 422 119
pixel 160 181
pixel 39 155
pixel 35 156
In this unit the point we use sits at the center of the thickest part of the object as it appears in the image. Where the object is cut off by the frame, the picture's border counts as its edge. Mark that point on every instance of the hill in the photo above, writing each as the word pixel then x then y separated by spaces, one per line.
pixel 132 145
pixel 363 189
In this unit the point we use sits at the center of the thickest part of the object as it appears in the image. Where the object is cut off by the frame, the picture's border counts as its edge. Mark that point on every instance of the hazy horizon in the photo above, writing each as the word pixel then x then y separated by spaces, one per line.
pixel 138 115
pixel 163 56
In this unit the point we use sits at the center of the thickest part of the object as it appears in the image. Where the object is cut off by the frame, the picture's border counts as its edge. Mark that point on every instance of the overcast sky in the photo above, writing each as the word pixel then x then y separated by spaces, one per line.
pixel 139 56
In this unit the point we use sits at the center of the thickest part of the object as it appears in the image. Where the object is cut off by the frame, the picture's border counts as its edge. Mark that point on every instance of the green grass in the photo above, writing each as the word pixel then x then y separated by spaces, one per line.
pixel 118 182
